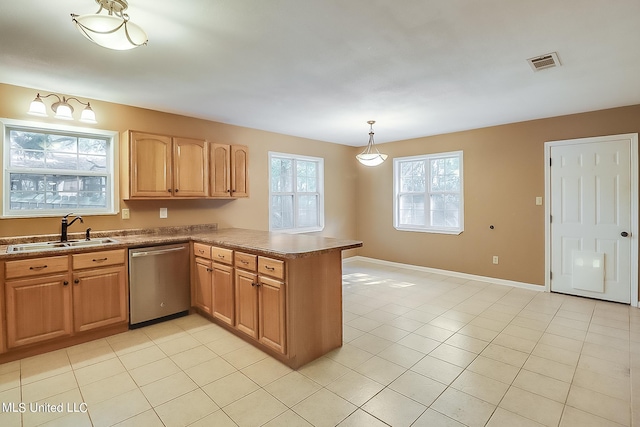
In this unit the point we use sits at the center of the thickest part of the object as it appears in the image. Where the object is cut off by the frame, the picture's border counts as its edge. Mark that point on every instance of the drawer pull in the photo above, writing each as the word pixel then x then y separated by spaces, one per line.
pixel 220 256
pixel 244 262
pixel 269 268
pixel 38 267
pixel 201 251
pixel 100 259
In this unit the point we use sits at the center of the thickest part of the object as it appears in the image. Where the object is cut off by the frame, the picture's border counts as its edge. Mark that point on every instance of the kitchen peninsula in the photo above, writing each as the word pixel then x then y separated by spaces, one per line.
pixel 280 292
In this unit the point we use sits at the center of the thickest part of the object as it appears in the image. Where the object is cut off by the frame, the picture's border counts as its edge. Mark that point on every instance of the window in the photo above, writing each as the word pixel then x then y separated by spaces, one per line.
pixel 296 193
pixel 428 194
pixel 57 170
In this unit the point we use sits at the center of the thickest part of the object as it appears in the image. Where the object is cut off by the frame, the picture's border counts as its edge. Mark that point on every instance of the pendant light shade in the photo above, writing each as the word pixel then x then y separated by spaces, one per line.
pixel 37 107
pixel 371 156
pixel 113 30
pixel 63 110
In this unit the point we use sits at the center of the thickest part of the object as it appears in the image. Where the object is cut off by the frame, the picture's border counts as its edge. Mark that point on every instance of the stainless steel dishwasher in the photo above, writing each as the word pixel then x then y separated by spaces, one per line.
pixel 158 283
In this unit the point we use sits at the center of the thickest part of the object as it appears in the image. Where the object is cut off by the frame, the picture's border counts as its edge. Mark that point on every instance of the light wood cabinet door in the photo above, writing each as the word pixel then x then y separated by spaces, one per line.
pixel 151 167
pixel 190 168
pixel 99 297
pixel 220 170
pixel 223 295
pixel 239 171
pixel 203 296
pixel 272 303
pixel 38 309
pixel 247 302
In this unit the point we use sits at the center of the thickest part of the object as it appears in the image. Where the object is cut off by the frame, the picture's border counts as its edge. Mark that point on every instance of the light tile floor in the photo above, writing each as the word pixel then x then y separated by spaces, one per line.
pixel 420 349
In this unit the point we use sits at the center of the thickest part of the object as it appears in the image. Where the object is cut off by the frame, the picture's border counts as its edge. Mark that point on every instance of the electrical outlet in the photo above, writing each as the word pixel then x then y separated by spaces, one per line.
pixel 539 201
pixel 125 214
pixel 495 259
pixel 163 212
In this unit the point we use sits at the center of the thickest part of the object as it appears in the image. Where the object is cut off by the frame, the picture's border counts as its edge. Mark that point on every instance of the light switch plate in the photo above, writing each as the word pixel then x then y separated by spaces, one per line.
pixel 163 212
pixel 538 201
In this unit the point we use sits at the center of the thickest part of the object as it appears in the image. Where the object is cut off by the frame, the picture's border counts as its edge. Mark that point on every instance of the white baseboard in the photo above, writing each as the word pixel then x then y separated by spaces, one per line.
pixel 512 283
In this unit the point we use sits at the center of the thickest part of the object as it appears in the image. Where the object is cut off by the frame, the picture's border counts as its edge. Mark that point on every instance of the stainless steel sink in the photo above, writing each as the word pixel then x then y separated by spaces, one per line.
pixel 52 246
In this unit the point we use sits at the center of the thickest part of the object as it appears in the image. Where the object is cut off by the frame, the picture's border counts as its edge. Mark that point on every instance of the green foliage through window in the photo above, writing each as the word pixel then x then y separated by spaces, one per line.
pixel 53 171
pixel 429 193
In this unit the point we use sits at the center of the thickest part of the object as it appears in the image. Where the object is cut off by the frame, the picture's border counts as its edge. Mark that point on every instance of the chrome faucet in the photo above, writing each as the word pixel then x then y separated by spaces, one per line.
pixel 66 224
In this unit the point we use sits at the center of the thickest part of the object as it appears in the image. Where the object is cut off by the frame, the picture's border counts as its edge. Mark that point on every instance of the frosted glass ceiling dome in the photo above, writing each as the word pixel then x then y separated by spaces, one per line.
pixel 113 30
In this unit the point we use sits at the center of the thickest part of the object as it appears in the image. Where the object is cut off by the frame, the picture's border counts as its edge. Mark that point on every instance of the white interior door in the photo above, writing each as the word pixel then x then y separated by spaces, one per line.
pixel 591 225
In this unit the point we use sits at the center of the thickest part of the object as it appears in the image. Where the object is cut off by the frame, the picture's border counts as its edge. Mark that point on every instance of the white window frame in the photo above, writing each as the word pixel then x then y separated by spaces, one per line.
pixel 397 193
pixel 295 193
pixel 113 198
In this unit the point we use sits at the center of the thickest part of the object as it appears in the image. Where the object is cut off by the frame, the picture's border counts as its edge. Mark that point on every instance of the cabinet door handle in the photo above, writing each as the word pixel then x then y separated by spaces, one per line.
pixel 38 267
pixel 209 269
pixel 176 190
pixel 255 284
pixel 65 283
pixel 76 281
pixel 169 190
pixel 100 259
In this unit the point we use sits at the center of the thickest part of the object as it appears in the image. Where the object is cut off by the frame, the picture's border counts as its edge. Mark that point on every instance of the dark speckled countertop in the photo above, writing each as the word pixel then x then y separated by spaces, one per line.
pixel 278 245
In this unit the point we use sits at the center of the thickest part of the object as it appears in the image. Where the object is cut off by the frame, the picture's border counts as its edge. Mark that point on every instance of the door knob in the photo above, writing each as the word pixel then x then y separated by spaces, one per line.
pixel 624 234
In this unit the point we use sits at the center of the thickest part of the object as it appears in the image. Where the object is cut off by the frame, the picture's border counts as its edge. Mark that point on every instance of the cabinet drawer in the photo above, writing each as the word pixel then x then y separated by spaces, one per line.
pixel 98 259
pixel 36 266
pixel 271 267
pixel 202 251
pixel 246 261
pixel 224 256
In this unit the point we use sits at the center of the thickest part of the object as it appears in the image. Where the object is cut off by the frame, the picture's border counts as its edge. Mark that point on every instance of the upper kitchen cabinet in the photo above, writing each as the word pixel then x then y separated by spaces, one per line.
pixel 162 167
pixel 229 175
pixel 190 168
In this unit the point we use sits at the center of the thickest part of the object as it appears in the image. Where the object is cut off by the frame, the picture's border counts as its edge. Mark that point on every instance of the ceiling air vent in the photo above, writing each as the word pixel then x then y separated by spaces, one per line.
pixel 549 60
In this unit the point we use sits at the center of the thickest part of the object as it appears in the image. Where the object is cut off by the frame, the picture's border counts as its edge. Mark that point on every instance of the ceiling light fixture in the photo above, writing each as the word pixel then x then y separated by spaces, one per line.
pixel 371 156
pixel 62 109
pixel 113 30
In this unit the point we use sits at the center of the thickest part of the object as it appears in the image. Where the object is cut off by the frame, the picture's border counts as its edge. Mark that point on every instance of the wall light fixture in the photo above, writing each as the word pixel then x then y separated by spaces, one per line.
pixel 62 109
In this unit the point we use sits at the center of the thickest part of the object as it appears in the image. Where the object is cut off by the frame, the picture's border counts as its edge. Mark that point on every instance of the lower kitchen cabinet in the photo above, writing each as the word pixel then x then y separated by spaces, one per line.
pixel 289 306
pixel 202 287
pixel 99 297
pixel 247 302
pixel 49 298
pixel 261 300
pixel 38 309
pixel 271 306
pixel 223 295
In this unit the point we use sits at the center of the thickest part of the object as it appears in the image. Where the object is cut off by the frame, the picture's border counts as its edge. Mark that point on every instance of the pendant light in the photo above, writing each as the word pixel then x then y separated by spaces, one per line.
pixel 371 156
pixel 113 30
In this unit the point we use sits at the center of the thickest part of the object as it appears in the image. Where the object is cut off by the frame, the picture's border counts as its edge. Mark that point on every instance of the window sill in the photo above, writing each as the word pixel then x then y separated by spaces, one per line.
pixel 431 230
pixel 298 230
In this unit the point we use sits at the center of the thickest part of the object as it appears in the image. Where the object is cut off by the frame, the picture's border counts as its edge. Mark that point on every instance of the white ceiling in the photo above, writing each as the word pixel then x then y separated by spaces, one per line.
pixel 321 68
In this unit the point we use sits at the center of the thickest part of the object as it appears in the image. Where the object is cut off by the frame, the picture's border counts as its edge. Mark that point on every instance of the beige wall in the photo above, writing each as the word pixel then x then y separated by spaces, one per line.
pixel 503 173
pixel 340 177
pixel 503 167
